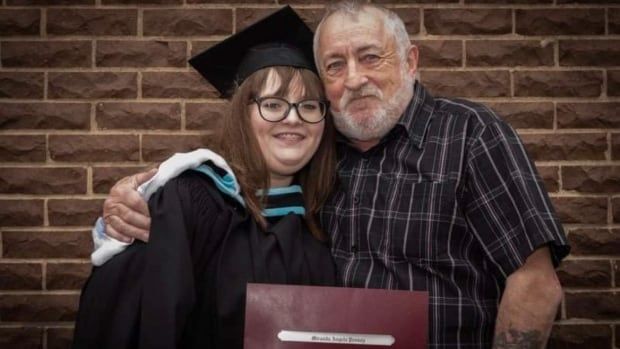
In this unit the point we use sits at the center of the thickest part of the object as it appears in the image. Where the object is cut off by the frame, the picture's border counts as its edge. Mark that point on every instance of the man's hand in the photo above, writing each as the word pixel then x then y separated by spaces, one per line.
pixel 125 212
pixel 529 304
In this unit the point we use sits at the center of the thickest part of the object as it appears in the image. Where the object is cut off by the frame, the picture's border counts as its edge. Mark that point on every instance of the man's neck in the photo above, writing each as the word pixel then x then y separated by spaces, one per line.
pixel 364 146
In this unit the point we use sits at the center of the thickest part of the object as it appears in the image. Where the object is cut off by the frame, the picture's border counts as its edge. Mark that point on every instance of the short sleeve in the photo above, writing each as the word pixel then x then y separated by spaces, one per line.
pixel 506 204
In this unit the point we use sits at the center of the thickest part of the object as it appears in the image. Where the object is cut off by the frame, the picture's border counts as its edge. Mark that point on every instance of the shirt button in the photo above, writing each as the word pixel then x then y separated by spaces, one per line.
pixel 356 199
pixel 354 248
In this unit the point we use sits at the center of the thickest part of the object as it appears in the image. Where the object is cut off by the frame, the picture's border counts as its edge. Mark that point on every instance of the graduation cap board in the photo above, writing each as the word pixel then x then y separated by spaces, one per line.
pixel 280 39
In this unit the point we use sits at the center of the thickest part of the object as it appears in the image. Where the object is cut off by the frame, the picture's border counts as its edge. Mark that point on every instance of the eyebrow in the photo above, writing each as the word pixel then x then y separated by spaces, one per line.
pixel 336 54
pixel 367 47
pixel 333 54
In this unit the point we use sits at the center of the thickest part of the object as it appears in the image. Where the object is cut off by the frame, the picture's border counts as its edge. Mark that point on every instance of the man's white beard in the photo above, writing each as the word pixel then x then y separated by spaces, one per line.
pixel 378 122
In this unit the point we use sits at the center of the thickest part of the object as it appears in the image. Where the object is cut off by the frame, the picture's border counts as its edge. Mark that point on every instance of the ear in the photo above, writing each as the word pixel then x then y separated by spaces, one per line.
pixel 412 60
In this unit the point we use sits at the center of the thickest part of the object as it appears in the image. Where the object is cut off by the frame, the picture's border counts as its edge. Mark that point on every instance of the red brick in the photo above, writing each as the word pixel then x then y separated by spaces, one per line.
pixel 589 52
pixel 48 180
pixel 205 116
pixel 440 53
pixel 312 17
pixel 21 85
pixel 21 337
pixel 67 212
pixel 558 83
pixel 142 2
pixel 467 83
pixel 248 16
pixel 591 179
pixel 105 177
pixel 581 210
pixel 190 22
pixel 46 244
pixel 588 115
pixel 25 116
pixel 20 22
pixel 199 46
pixel 234 1
pixel 176 85
pixel 593 305
pixel 20 276
pixel 48 307
pixel 50 2
pixel 589 2
pixel 161 147
pixel 615 203
pixel 93 85
pixel 92 22
pixel 66 276
pixel 410 17
pixel 578 146
pixel 580 336
pixel 467 21
pixel 509 2
pixel 613 83
pixel 60 338
pixel 145 116
pixel 141 54
pixel 22 148
pixel 46 54
pixel 94 148
pixel 585 273
pixel 550 177
pixel 582 21
pixel 510 53
pixel 614 20
pixel 413 1
pixel 21 213
pixel 594 241
pixel 615 146
pixel 301 1
pixel 521 115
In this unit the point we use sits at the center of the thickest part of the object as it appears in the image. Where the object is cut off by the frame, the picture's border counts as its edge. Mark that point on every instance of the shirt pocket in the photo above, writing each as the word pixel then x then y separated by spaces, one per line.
pixel 422 224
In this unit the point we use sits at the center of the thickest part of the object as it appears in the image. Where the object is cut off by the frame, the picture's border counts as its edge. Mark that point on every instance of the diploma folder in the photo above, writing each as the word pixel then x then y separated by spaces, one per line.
pixel 313 317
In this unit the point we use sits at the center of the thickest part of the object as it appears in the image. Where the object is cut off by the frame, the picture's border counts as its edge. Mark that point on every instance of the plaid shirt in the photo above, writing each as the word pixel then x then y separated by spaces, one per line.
pixel 448 202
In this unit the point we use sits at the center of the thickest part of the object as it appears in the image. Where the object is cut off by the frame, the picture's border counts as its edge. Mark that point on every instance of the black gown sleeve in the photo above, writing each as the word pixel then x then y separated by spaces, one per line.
pixel 168 283
pixel 142 297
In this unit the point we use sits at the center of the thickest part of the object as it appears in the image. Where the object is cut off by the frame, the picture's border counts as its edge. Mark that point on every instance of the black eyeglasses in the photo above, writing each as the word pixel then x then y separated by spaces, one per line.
pixel 276 109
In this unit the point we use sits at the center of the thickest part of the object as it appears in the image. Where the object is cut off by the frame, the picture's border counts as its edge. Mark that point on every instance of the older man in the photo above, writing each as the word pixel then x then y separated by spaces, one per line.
pixel 435 194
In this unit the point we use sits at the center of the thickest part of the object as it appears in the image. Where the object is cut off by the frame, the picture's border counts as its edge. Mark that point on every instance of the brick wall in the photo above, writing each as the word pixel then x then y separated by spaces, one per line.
pixel 93 90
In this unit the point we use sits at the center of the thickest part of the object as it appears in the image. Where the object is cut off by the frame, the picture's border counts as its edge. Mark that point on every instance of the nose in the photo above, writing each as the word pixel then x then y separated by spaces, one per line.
pixel 293 116
pixel 355 78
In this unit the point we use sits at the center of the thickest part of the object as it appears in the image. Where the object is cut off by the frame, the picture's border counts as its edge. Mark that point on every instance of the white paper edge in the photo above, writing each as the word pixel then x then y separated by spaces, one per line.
pixel 335 338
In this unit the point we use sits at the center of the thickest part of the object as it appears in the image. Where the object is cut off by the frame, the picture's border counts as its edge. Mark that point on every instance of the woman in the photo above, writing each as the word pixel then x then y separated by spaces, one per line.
pixel 223 224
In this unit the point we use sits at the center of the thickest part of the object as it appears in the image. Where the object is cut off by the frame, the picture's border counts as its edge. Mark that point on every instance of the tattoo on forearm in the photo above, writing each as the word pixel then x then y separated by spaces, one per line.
pixel 516 339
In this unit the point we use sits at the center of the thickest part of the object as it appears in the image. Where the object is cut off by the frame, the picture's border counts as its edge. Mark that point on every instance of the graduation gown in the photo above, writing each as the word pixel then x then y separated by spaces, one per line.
pixel 186 287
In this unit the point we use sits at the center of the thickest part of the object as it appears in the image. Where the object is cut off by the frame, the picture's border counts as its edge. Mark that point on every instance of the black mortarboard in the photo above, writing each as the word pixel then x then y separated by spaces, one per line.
pixel 281 38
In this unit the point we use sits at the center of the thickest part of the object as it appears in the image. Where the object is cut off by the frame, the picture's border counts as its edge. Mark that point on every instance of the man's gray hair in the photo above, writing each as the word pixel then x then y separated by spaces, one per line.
pixel 393 24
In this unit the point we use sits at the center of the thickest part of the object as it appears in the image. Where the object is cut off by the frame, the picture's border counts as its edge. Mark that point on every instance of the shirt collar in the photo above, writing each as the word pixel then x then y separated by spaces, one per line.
pixel 418 114
pixel 415 119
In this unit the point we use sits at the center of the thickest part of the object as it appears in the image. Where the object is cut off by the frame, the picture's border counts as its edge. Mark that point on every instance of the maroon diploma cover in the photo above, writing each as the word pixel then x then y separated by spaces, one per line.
pixel 312 317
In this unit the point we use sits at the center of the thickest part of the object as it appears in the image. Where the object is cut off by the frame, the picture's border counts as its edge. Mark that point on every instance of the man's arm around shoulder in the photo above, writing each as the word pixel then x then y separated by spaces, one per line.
pixel 529 304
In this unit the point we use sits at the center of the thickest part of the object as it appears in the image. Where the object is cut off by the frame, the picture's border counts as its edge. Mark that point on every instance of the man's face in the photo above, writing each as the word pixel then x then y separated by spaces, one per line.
pixel 363 74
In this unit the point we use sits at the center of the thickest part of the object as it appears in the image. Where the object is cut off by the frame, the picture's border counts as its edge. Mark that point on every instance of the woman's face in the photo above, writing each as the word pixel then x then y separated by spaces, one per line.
pixel 289 144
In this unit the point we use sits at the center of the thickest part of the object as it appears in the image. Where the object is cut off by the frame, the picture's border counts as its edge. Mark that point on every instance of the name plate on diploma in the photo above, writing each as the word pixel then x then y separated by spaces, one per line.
pixel 313 317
